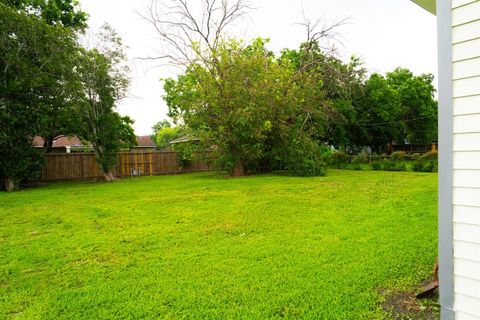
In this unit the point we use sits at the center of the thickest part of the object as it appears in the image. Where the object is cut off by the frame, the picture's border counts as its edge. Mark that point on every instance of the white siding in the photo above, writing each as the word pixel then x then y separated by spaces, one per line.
pixel 459 3
pixel 466 68
pixel 466 106
pixel 466 157
pixel 466 50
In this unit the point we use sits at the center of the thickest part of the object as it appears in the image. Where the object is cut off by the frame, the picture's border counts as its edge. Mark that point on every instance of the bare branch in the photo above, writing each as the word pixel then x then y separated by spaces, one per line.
pixel 191 34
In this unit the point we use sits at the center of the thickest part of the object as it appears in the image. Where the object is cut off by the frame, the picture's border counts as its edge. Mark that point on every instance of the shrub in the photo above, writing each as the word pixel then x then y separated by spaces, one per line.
pixel 360 159
pixel 375 157
pixel 306 159
pixel 427 163
pixel 376 166
pixel 397 156
pixel 186 152
pixel 338 159
pixel 432 155
pixel 391 165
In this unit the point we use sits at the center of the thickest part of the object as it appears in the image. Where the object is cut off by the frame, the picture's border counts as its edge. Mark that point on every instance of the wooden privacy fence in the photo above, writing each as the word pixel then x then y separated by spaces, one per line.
pixel 82 166
pixel 415 148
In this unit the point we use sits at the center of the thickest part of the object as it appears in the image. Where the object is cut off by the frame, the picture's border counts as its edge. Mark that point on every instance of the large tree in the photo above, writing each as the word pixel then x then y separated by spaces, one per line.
pixel 104 80
pixel 378 115
pixel 255 111
pixel 66 13
pixel 35 64
pixel 420 109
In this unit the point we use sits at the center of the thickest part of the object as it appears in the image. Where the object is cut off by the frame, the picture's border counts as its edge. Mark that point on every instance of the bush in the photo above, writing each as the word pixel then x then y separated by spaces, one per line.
pixel 357 167
pixel 186 153
pixel 306 159
pixel 338 159
pixel 392 165
pixel 427 163
pixel 432 155
pixel 375 157
pixel 376 166
pixel 360 159
pixel 397 156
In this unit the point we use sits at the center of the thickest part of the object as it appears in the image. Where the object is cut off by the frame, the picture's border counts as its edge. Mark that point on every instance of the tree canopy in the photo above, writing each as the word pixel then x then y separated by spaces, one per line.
pixel 104 79
pixel 66 13
pixel 50 86
pixel 36 70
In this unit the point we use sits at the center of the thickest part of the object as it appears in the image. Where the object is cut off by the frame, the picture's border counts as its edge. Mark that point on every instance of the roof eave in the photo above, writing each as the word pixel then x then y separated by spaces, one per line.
pixel 429 5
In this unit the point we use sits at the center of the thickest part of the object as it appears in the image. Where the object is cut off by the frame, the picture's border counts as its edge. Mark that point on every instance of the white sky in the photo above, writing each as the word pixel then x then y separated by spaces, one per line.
pixel 384 33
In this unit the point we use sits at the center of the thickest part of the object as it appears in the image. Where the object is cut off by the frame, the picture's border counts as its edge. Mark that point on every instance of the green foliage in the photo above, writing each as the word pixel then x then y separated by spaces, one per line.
pixel 66 13
pixel 164 133
pixel 306 159
pixel 377 165
pixel 104 81
pixel 338 159
pixel 392 165
pixel 161 125
pixel 397 156
pixel 187 152
pixel 378 114
pixel 253 124
pixel 35 83
pixel 360 158
pixel 394 108
pixel 204 247
pixel 416 96
pixel 23 163
pixel 396 162
pixel 358 161
pixel 427 163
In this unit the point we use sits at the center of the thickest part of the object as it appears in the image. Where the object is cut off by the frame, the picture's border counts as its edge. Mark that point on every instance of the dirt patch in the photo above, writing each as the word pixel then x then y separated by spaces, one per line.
pixel 403 305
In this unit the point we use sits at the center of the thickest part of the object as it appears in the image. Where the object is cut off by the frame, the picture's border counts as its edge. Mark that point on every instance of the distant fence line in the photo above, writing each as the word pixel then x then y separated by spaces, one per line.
pixel 82 166
pixel 415 148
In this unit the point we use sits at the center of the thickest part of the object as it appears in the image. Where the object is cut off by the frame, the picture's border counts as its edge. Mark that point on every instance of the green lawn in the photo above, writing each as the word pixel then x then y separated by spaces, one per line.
pixel 201 246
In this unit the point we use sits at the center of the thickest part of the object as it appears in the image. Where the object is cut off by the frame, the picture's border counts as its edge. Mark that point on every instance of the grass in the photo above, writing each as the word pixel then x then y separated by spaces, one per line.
pixel 201 246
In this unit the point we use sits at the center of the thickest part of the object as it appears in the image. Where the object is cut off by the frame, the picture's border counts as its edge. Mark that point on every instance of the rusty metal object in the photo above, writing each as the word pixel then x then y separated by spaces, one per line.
pixel 429 288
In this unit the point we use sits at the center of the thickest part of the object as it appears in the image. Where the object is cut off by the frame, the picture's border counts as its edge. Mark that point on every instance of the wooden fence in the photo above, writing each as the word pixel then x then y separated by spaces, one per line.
pixel 82 166
pixel 415 148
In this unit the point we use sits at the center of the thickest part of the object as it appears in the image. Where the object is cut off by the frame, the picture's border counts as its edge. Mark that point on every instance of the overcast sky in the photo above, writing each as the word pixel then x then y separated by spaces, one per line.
pixel 384 34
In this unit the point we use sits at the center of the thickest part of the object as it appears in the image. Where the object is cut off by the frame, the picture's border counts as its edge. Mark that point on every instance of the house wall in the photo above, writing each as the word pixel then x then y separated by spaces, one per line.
pixel 465 18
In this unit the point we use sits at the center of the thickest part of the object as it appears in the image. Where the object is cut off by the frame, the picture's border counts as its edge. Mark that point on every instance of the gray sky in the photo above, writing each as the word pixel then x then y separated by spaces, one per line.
pixel 385 34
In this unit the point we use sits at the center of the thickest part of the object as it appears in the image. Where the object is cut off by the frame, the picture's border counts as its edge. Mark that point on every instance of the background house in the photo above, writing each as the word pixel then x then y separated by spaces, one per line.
pixel 65 144
pixel 145 144
pixel 459 157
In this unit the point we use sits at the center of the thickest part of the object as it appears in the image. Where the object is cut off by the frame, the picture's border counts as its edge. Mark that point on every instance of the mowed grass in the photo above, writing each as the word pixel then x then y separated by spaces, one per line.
pixel 202 246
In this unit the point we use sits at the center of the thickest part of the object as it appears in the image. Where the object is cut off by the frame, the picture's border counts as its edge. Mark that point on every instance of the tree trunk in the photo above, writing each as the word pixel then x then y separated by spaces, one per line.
pixel 109 176
pixel 10 184
pixel 238 170
pixel 48 145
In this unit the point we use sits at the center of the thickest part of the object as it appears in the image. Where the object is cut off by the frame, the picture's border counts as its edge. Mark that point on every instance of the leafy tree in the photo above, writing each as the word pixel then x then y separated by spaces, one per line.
pixel 161 125
pixel 379 115
pixel 163 135
pixel 416 96
pixel 341 83
pixel 236 119
pixel 250 126
pixel 104 82
pixel 396 108
pixel 35 63
pixel 57 118
pixel 67 13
